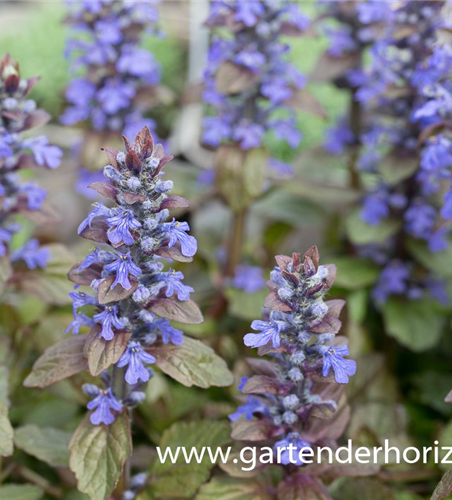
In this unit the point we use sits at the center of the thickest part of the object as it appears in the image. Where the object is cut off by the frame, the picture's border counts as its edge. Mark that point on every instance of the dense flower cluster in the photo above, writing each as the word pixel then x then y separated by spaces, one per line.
pixel 353 32
pixel 248 81
pixel 18 196
pixel 390 94
pixel 134 294
pixel 286 395
pixel 117 74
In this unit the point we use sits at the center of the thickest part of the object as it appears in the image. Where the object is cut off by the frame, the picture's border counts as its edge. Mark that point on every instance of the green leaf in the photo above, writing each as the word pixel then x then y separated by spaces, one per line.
pixel 287 207
pixel 354 273
pixel 58 362
pixel 20 492
pixel 396 169
pixel 415 324
pixel 47 444
pixel 438 262
pixel 4 385
pixel 50 285
pixel 240 174
pixel 362 233
pixel 6 272
pixel 193 363
pixel 98 454
pixel 228 488
pixel 6 433
pixel 182 479
pixel 246 305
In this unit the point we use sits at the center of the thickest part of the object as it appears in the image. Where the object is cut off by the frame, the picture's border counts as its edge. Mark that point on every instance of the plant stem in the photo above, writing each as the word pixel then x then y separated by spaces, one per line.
pixel 43 483
pixel 355 117
pixel 236 242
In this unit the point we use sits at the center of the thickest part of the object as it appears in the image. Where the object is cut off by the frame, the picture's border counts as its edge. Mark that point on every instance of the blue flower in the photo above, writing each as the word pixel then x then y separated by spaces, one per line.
pixel 248 278
pixel 123 266
pixel 134 357
pixel 270 331
pixel 103 403
pixel 173 284
pixel 44 154
pixel 393 280
pixel 375 207
pixel 120 227
pixel 249 12
pixel 99 210
pixel 176 232
pixel 249 135
pixel 35 195
pixel 333 358
pixel 33 256
pixel 294 454
pixel 253 405
pixel 168 332
pixel 79 321
pixel 109 319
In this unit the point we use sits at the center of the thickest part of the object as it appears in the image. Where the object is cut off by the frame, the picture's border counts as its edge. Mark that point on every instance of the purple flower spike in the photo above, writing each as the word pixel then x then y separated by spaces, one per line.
pixel 103 404
pixel 134 357
pixel 123 266
pixel 127 285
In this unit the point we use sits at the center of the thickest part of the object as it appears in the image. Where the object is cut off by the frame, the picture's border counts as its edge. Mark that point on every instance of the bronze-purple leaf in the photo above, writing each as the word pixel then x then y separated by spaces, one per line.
pixel 262 366
pixel 329 324
pixel 111 153
pixel 302 486
pixel 132 198
pixel 144 143
pixel 97 232
pixel 283 261
pixel 174 253
pixel 104 189
pixel 133 162
pixel 259 384
pixel 106 294
pixel 102 353
pixel 251 430
pixel 175 310
pixel 84 276
pixel 272 301
pixel 36 119
pixel 174 201
pixel 335 307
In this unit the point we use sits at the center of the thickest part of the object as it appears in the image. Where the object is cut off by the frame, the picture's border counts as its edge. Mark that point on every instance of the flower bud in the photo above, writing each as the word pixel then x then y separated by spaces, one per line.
pixel 90 390
pixel 289 417
pixel 112 174
pixel 141 294
pixel 134 183
pixel 291 402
